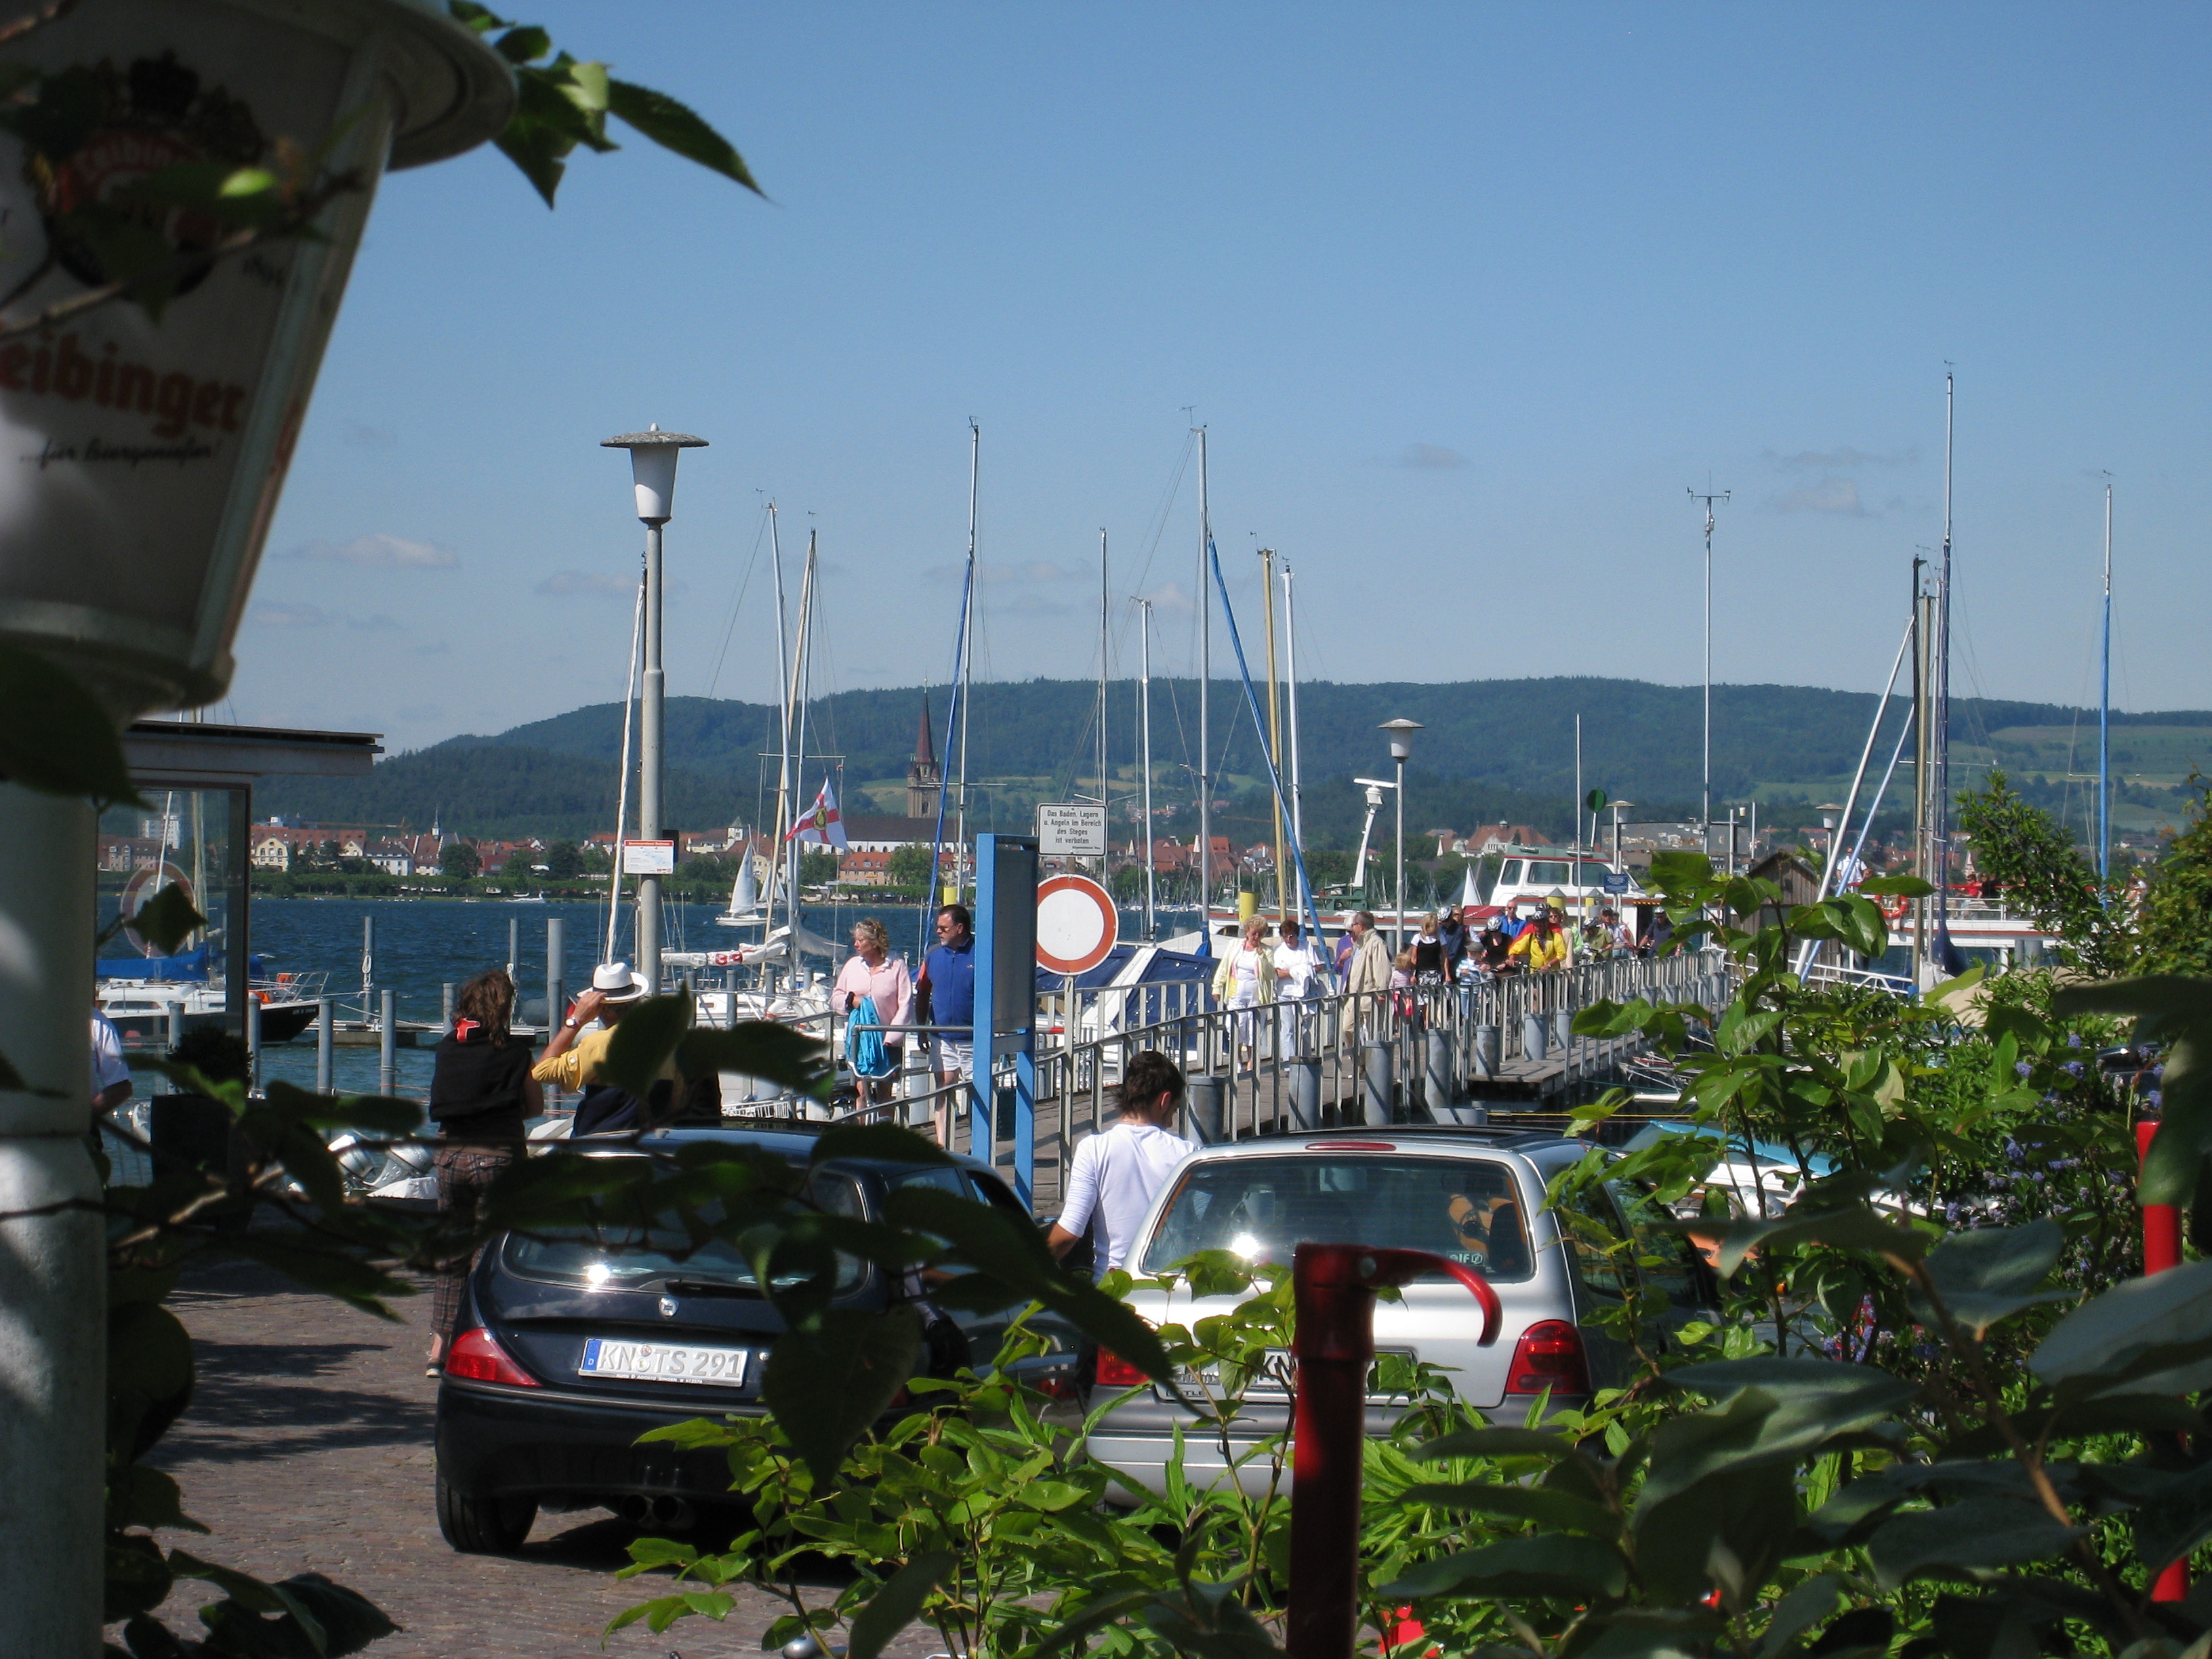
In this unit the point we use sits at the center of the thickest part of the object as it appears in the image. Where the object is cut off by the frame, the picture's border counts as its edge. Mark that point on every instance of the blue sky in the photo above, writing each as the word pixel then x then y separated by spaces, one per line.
pixel 1467 297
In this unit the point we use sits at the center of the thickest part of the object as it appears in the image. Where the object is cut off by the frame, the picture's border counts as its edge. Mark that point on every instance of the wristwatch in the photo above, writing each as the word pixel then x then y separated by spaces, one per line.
pixel 571 1022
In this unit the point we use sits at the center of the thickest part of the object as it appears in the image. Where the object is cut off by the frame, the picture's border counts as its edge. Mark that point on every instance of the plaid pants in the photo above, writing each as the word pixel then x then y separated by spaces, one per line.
pixel 463 1173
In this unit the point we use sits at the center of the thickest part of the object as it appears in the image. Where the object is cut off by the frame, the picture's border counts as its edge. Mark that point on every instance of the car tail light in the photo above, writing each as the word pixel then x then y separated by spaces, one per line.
pixel 1549 1355
pixel 1115 1373
pixel 476 1357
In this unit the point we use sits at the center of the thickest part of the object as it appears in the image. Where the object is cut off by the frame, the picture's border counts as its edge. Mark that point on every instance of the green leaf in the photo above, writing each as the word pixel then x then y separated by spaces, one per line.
pixel 674 127
pixel 141 1497
pixel 1558 1511
pixel 1910 887
pixel 56 739
pixel 1003 1248
pixel 1776 1411
pixel 2171 1526
pixel 1852 1228
pixel 168 919
pixel 829 1385
pixel 2107 1335
pixel 2162 1003
pixel 1114 1606
pixel 897 1604
pixel 878 1143
pixel 1796 1612
pixel 1963 1540
pixel 134 1576
pixel 762 1049
pixel 644 1042
pixel 523 45
pixel 1573 1567
pixel 1495 1443
pixel 1991 1272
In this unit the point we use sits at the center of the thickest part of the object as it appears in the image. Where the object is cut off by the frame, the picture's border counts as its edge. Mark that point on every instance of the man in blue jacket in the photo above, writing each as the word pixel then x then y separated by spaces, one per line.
pixel 949 975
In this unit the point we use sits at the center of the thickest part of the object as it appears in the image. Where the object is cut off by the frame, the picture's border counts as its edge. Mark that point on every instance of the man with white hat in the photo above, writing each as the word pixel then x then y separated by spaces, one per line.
pixel 573 1055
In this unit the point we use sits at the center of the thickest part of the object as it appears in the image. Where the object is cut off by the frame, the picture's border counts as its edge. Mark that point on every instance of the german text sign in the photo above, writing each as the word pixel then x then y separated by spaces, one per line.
pixel 1070 830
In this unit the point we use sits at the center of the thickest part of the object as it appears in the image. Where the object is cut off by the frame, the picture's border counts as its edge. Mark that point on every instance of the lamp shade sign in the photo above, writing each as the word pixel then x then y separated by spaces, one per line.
pixel 1076 925
pixel 143 446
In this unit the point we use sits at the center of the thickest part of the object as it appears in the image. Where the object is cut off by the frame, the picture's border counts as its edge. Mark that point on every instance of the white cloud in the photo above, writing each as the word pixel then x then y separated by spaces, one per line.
pixel 1035 571
pixel 273 614
pixel 588 581
pixel 382 551
pixel 1432 458
pixel 1828 460
pixel 1837 495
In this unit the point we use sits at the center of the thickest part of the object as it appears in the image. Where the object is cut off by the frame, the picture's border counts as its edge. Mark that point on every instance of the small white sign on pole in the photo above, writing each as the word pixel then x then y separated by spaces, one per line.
pixel 648 858
pixel 1068 829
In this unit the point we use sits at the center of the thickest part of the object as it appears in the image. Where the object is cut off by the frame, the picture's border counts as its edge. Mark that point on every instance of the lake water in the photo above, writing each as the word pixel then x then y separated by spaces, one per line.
pixel 422 945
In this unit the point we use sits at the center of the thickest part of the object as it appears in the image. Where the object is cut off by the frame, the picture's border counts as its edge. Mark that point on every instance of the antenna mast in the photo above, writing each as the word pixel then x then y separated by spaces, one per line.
pixel 2105 710
pixel 1709 497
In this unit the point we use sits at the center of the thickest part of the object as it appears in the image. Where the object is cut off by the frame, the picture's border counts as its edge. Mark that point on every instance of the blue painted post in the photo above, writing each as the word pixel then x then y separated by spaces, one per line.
pixel 1005 997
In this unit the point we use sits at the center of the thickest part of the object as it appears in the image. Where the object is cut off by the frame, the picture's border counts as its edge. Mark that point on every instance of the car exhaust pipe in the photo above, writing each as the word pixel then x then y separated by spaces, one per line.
pixel 674 1514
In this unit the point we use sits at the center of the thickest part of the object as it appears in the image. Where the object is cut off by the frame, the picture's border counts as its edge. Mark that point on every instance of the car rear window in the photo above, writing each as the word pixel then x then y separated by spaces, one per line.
pixel 646 1259
pixel 1465 1209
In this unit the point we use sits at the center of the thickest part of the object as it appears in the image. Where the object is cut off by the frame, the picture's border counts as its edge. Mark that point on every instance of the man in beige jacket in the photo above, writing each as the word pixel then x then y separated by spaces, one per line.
pixel 1366 978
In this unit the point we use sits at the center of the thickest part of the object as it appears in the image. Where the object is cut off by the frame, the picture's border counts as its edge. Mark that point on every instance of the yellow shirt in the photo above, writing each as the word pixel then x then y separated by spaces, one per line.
pixel 1542 951
pixel 580 1065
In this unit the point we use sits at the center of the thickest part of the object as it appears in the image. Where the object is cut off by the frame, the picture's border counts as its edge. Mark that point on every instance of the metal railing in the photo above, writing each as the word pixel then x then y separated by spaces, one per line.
pixel 1295 1064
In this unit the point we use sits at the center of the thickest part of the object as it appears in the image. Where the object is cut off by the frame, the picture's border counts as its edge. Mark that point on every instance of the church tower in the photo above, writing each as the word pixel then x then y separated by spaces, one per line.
pixel 922 777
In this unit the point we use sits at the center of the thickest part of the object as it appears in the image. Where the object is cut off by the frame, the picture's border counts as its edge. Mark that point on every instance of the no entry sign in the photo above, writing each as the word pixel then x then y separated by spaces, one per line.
pixel 1076 923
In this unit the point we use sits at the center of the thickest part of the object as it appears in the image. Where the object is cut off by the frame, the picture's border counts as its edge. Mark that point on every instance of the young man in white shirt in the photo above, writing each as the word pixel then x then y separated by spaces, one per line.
pixel 1116 1173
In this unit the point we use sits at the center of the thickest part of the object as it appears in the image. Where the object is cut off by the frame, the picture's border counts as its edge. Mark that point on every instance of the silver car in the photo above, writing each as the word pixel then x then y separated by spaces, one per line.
pixel 1473 1195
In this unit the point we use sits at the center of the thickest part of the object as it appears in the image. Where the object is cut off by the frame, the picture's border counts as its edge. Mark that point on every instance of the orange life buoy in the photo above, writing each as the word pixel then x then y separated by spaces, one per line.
pixel 1895 906
pixel 261 996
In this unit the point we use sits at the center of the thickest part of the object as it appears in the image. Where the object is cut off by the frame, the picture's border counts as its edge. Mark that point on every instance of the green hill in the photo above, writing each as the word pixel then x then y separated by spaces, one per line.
pixel 1490 750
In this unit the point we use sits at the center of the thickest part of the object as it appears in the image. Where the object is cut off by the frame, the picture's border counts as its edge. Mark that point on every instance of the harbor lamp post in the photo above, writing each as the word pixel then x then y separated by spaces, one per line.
pixel 1618 807
pixel 1401 732
pixel 652 455
pixel 132 578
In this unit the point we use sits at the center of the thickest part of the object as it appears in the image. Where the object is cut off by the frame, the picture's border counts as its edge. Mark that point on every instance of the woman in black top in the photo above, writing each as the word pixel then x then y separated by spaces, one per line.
pixel 480 1094
pixel 1429 964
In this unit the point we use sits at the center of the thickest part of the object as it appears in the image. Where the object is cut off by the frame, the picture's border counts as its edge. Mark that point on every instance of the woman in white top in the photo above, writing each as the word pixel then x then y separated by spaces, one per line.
pixel 1114 1175
pixel 1298 977
pixel 874 972
pixel 1245 979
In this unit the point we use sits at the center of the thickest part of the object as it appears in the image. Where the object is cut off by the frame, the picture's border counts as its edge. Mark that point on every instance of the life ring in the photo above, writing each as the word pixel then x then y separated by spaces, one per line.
pixel 1894 905
pixel 261 996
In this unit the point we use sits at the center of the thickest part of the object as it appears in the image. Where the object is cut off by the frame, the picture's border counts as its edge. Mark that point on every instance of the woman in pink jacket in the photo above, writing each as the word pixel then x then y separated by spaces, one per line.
pixel 873 971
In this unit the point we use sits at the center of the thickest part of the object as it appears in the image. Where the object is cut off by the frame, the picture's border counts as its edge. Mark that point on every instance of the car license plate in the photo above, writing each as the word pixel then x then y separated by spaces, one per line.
pixel 664 1362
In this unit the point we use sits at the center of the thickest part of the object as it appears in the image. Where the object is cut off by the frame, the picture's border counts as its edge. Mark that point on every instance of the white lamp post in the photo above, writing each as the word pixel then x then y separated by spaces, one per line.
pixel 155 452
pixel 1401 732
pixel 652 455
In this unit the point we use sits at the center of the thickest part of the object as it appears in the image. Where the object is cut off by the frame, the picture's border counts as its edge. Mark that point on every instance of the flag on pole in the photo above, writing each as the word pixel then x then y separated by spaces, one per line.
pixel 821 824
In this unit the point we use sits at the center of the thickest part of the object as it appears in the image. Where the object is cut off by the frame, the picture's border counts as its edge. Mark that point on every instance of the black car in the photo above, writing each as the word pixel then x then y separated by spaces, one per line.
pixel 566 1354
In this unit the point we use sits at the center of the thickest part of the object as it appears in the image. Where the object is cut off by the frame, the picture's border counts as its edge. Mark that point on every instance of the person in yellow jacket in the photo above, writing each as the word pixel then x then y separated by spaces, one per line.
pixel 1542 946
pixel 1246 979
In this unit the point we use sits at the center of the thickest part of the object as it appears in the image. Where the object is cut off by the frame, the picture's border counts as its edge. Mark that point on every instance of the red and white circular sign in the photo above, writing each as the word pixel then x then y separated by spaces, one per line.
pixel 1076 923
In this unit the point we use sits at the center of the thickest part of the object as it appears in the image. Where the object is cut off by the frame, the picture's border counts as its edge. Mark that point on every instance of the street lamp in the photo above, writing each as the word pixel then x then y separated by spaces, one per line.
pixel 1401 732
pixel 652 455
pixel 133 579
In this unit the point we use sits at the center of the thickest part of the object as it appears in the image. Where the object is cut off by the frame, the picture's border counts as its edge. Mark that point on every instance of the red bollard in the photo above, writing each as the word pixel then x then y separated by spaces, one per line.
pixel 1334 1345
pixel 2161 1250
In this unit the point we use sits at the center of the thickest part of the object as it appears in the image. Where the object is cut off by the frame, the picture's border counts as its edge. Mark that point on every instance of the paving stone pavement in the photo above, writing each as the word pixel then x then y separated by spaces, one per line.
pixel 307 1447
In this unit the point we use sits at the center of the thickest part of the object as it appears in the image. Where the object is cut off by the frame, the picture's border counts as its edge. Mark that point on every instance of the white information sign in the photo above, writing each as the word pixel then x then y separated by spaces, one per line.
pixel 648 858
pixel 1071 831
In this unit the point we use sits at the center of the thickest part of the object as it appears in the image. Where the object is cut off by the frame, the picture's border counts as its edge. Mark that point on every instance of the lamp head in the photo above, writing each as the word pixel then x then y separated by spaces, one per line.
pixel 1401 732
pixel 652 468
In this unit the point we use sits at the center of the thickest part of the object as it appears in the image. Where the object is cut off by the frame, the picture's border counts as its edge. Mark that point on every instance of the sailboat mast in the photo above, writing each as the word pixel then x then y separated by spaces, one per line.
pixel 1290 668
pixel 798 677
pixel 1144 719
pixel 1204 732
pixel 1283 906
pixel 1578 799
pixel 783 700
pixel 622 776
pixel 1103 805
pixel 2105 711
pixel 1942 805
pixel 967 652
